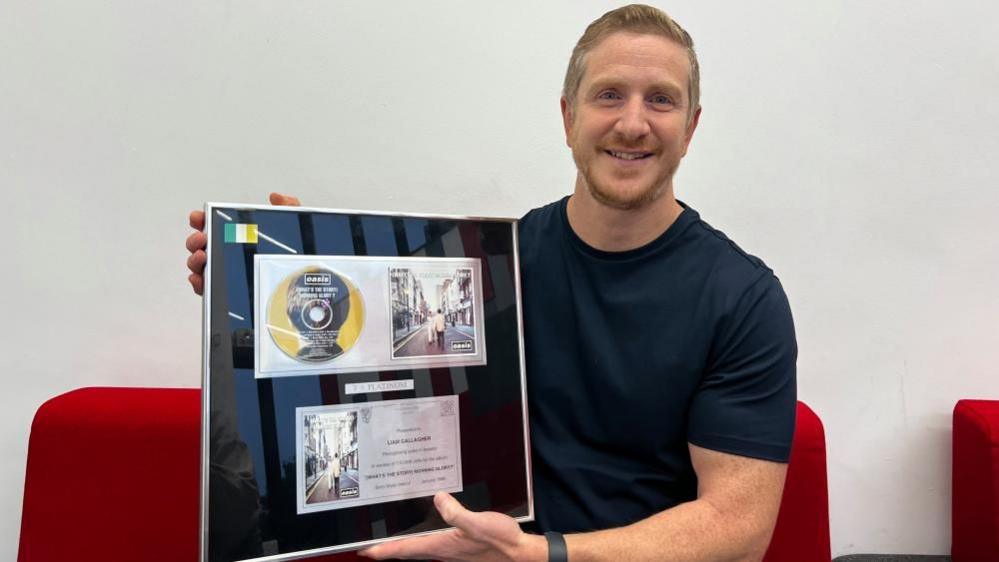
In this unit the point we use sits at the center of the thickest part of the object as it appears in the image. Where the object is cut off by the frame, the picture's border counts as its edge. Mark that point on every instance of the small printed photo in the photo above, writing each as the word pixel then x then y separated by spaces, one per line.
pixel 433 311
pixel 330 456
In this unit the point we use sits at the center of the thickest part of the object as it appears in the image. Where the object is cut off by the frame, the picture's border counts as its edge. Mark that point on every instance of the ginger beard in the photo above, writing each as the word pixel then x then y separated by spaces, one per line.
pixel 625 190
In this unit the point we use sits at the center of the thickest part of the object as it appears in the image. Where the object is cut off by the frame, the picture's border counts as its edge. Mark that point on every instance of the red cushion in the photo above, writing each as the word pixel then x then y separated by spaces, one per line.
pixel 113 475
pixel 802 532
pixel 975 481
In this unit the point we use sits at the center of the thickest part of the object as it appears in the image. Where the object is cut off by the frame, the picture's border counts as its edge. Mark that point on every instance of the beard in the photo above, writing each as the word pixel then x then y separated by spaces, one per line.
pixel 604 193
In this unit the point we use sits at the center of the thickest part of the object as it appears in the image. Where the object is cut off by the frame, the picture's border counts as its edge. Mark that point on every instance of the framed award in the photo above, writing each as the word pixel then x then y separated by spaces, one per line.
pixel 355 364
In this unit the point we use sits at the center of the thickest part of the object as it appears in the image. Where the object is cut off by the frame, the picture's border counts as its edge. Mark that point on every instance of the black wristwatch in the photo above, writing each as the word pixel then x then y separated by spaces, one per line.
pixel 557 551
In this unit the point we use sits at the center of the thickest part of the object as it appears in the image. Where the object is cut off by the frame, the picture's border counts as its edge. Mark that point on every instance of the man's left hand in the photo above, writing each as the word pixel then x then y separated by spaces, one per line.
pixel 478 536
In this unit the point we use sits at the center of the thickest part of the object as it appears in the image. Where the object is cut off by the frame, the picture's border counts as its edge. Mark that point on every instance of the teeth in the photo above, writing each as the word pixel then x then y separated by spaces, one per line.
pixel 627 155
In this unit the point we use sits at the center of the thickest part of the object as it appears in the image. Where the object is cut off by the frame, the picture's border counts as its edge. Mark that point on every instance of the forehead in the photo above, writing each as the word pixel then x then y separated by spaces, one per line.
pixel 641 58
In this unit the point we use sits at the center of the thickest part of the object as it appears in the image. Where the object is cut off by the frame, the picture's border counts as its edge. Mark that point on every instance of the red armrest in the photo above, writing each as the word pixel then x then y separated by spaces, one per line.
pixel 113 475
pixel 802 532
pixel 975 481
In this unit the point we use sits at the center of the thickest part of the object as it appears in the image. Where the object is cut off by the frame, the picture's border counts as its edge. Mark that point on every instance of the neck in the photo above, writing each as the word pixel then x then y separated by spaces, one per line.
pixel 618 230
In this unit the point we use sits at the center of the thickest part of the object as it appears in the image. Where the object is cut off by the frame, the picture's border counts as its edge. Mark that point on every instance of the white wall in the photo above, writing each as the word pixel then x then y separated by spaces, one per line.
pixel 851 146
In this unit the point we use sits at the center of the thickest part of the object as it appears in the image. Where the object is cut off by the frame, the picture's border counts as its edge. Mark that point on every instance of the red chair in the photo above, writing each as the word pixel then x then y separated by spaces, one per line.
pixel 975 482
pixel 113 476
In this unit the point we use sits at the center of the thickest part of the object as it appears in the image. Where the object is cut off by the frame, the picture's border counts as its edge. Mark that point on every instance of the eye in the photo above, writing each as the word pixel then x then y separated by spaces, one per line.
pixel 661 99
pixel 608 95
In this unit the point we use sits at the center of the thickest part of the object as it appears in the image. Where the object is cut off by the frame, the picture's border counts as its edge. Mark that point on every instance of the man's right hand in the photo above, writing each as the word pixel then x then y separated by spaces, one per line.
pixel 197 241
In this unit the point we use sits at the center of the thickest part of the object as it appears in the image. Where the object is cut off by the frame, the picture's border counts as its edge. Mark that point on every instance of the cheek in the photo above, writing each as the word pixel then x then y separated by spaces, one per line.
pixel 587 128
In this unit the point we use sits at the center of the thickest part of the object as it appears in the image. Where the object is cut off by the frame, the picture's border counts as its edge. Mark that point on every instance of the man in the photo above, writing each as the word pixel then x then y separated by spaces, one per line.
pixel 335 475
pixel 439 327
pixel 661 428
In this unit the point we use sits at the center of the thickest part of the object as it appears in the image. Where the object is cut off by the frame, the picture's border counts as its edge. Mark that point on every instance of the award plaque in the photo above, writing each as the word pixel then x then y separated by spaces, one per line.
pixel 355 364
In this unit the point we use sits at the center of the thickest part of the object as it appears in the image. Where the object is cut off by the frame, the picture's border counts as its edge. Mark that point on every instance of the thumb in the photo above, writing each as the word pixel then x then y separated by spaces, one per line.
pixel 489 527
pixel 451 510
pixel 282 199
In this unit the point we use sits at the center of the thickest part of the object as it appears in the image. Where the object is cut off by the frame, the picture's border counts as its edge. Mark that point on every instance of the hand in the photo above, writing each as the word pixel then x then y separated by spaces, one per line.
pixel 197 241
pixel 487 536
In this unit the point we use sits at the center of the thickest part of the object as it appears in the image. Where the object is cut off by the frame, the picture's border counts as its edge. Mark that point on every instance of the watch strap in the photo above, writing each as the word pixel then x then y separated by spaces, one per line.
pixel 557 551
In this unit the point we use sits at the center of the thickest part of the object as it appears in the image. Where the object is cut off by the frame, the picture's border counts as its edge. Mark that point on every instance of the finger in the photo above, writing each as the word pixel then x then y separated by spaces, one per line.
pixel 197 283
pixel 196 262
pixel 282 199
pixel 436 546
pixel 197 220
pixel 196 241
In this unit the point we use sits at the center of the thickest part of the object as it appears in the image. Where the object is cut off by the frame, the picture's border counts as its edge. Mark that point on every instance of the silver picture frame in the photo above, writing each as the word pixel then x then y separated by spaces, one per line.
pixel 218 215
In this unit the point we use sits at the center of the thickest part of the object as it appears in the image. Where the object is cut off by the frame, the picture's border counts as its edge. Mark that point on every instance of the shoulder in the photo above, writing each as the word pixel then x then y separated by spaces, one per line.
pixel 538 225
pixel 725 265
pixel 727 281
pixel 541 218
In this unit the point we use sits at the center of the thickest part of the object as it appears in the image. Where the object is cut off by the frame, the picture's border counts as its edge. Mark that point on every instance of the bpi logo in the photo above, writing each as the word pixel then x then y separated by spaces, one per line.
pixel 318 279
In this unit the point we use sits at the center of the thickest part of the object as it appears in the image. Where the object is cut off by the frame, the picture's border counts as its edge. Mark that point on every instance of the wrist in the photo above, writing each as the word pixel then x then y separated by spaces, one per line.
pixel 533 548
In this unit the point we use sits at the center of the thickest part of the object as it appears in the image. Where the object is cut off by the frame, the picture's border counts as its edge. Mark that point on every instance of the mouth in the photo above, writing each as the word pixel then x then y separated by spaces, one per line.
pixel 628 155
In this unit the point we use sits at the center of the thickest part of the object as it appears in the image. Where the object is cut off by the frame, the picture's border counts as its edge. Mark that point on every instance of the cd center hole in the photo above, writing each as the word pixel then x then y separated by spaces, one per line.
pixel 316 314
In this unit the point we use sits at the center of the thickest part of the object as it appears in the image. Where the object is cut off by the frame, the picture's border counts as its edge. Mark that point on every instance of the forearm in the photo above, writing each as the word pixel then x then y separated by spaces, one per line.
pixel 692 531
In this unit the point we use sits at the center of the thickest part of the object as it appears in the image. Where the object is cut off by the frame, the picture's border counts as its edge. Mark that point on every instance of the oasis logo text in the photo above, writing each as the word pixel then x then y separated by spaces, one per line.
pixel 318 279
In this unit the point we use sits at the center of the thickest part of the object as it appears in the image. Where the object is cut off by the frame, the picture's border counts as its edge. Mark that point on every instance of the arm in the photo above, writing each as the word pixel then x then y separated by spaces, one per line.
pixel 731 519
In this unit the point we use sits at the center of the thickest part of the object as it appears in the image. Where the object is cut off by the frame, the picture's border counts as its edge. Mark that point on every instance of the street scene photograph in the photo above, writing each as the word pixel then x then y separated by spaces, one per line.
pixel 330 457
pixel 433 311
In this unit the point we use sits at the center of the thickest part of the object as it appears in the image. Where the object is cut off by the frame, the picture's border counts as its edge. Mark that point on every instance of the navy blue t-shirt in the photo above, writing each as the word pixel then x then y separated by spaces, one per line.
pixel 633 355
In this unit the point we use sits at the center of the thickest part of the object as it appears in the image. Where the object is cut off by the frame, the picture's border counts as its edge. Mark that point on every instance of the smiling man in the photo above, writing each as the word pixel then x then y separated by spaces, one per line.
pixel 661 427
pixel 629 119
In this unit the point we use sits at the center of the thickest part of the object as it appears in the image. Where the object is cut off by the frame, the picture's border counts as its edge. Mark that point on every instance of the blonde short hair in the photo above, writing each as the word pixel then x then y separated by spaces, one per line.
pixel 634 18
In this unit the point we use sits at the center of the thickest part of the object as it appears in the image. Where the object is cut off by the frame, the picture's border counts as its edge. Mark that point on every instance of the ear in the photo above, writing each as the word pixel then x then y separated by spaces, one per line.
pixel 566 120
pixel 691 127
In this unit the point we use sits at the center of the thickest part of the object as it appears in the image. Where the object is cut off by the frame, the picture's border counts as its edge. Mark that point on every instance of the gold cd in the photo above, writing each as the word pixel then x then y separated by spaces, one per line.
pixel 315 315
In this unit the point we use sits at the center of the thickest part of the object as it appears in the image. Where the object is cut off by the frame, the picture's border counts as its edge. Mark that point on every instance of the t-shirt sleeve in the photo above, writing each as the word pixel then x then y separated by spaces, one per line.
pixel 747 399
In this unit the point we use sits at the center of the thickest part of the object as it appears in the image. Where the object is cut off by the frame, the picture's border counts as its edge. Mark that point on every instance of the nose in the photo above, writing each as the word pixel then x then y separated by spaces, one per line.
pixel 633 123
